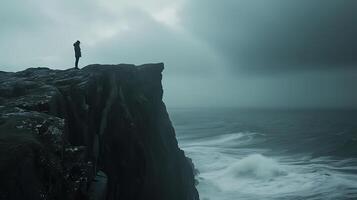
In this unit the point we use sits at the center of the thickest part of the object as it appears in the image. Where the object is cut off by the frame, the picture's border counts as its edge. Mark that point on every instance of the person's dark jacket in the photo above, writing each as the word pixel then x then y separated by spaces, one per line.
pixel 77 49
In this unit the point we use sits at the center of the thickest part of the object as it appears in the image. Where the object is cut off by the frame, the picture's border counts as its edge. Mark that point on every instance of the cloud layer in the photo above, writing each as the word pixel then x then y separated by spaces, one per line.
pixel 249 53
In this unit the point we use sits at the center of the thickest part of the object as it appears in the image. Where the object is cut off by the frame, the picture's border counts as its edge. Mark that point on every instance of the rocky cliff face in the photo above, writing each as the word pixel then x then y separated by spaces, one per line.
pixel 102 132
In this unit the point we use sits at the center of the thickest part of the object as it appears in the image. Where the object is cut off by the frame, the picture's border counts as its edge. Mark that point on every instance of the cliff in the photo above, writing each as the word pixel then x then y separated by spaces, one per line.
pixel 102 132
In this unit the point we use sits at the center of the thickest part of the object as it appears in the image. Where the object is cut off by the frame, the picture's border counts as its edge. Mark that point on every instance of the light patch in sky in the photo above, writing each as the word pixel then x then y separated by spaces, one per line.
pixel 168 16
pixel 106 32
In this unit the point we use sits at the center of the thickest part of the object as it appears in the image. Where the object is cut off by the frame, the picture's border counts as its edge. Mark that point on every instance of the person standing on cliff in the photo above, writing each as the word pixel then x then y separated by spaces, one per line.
pixel 77 52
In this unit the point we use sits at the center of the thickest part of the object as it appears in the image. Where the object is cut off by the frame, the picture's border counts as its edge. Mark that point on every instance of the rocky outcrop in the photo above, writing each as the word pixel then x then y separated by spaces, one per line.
pixel 102 132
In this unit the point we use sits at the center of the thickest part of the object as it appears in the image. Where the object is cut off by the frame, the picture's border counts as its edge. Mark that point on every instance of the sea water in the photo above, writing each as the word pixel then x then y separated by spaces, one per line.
pixel 269 154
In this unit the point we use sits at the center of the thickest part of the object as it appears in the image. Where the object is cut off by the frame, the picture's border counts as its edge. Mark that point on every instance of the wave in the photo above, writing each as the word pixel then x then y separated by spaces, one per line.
pixel 255 166
pixel 256 176
pixel 224 140
pixel 256 158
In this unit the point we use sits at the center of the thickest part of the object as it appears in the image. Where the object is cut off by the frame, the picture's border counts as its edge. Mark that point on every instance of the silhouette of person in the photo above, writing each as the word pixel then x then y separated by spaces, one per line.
pixel 77 52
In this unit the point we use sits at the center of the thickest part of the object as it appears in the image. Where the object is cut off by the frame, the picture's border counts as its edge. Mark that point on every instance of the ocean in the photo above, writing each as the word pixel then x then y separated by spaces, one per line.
pixel 271 155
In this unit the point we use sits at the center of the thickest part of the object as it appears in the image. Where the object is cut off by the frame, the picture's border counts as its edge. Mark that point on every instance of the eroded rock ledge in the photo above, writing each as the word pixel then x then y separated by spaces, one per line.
pixel 102 132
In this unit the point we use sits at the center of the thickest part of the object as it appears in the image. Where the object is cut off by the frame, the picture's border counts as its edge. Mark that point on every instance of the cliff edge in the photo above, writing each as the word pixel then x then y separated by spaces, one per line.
pixel 102 132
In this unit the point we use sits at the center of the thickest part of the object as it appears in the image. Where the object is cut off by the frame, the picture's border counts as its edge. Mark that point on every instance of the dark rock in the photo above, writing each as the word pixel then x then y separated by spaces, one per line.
pixel 59 128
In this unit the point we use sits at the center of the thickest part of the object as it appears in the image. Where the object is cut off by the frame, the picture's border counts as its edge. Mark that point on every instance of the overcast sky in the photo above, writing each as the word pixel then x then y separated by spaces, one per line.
pixel 245 53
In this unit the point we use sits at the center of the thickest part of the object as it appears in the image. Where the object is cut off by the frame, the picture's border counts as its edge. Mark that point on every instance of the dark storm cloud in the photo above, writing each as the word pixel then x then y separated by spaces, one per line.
pixel 264 35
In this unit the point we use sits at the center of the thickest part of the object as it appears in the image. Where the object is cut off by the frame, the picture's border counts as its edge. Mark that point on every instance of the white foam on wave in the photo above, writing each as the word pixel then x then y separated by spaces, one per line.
pixel 245 172
pixel 255 166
